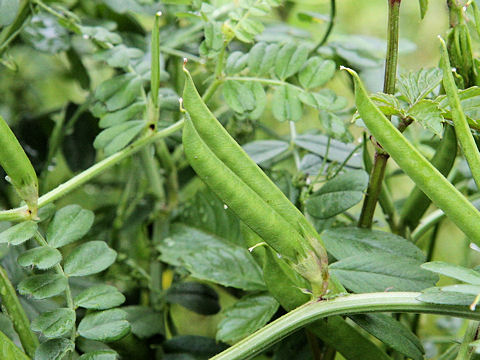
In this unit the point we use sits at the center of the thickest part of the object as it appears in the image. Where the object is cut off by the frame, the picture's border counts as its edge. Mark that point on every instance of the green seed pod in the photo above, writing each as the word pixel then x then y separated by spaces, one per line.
pixel 18 167
pixel 442 193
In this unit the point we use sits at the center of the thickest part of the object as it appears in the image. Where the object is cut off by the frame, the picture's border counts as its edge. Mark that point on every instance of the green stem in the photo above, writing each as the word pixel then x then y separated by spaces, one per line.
pixel 21 213
pixel 331 23
pixel 398 302
pixel 293 135
pixel 59 270
pixel 381 158
pixel 16 313
pixel 9 33
pixel 466 351
pixel 153 174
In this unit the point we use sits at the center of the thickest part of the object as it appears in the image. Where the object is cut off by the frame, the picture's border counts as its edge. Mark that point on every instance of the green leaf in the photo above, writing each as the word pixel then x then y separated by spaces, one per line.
pixel 43 257
pixel 194 296
pixel 470 101
pixel 119 56
pixel 120 116
pixel 388 104
pixel 213 39
pixel 428 113
pixel 338 194
pixel 8 11
pixel 211 258
pixel 238 96
pixel 8 350
pixel 19 233
pixel 54 349
pixel 99 355
pixel 338 150
pixel 69 224
pixel 117 137
pixel 89 258
pixel 260 99
pixel 246 316
pixel 325 99
pixel 377 272
pixel 99 297
pixel 44 33
pixel 450 295
pixel 264 150
pixel 454 271
pixel 119 91
pixel 108 325
pixel 334 126
pixel 246 29
pixel 286 105
pixel 101 34
pixel 290 59
pixel 342 243
pixel 43 286
pixel 423 7
pixel 145 322
pixel 316 72
pixel 392 333
pixel 54 324
pixel 261 58
pixel 236 62
pixel 415 86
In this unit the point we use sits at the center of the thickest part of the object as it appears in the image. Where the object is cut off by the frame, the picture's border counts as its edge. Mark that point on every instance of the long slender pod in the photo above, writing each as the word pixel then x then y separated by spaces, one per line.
pixel 18 167
pixel 442 193
pixel 417 202
pixel 464 135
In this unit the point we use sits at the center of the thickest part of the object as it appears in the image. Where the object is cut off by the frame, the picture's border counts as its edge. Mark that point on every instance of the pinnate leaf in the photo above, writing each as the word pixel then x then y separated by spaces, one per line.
pixel 43 257
pixel 108 325
pixel 69 224
pixel 100 297
pixel 54 324
pixel 89 258
pixel 43 286
pixel 18 233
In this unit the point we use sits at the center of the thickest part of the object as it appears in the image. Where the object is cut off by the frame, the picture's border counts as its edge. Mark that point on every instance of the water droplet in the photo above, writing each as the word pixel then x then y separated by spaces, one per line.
pixel 225 206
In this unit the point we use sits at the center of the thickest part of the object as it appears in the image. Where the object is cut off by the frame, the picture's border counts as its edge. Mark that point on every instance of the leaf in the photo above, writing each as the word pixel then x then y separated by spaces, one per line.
pixel 338 151
pixel 316 72
pixel 290 59
pixel 89 258
pixel 454 271
pixel 108 325
pixel 19 233
pixel 261 58
pixel 286 105
pixel 415 86
pixel 245 317
pixel 43 257
pixel 238 96
pixel 377 272
pixel 101 34
pixel 211 258
pixel 334 126
pixel 392 333
pixel 99 297
pixel 246 29
pixel 69 224
pixel 119 91
pixel 145 322
pixel 449 295
pixel 194 296
pixel 54 349
pixel 423 7
pixel 54 324
pixel 236 62
pixel 8 11
pixel 44 33
pixel 388 104
pixel 338 194
pixel 100 355
pixel 428 113
pixel 264 150
pixel 198 346
pixel 325 99
pixel 8 349
pixel 470 101
pixel 117 137
pixel 342 243
pixel 119 56
pixel 213 39
pixel 43 286
pixel 260 99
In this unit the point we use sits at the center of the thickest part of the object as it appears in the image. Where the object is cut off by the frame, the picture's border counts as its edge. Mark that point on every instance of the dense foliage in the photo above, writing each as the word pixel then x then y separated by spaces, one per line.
pixel 179 174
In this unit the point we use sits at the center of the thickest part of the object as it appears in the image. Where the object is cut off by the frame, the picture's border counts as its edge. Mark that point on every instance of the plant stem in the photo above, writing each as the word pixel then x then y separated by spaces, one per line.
pixel 331 23
pixel 293 135
pixel 59 270
pixel 465 352
pixel 21 213
pixel 402 302
pixel 381 158
pixel 17 315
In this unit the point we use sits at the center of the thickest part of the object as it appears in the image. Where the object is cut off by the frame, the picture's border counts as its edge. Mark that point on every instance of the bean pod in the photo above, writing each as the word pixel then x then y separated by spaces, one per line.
pixel 225 167
pixel 442 193
pixel 18 167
